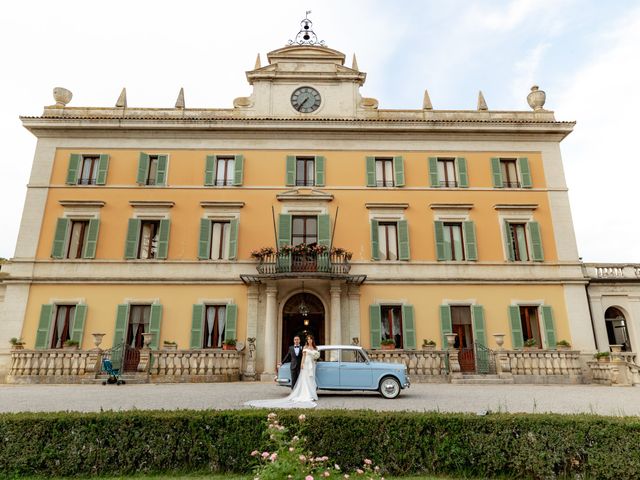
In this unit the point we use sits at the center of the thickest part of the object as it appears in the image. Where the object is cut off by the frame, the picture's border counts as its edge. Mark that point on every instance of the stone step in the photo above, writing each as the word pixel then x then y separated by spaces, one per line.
pixel 129 379
pixel 476 379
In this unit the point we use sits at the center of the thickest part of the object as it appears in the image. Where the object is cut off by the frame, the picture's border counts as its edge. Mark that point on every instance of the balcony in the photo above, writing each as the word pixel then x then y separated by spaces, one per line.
pixel 285 263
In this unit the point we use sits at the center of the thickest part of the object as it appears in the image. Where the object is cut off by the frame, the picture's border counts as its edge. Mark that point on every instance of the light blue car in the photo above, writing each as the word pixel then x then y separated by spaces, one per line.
pixel 347 367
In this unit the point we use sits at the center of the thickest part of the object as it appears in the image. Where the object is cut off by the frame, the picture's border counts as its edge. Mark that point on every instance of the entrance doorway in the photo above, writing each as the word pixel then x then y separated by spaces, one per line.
pixel 294 322
pixel 461 324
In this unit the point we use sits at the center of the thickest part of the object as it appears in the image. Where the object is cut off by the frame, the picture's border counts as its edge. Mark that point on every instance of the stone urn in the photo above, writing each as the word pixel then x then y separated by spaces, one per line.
pixel 451 340
pixel 499 339
pixel 97 339
pixel 146 339
pixel 616 348
pixel 387 346
pixel 536 98
pixel 62 96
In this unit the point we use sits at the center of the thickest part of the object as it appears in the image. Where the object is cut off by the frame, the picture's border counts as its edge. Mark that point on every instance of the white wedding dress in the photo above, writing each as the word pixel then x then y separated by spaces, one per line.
pixel 304 393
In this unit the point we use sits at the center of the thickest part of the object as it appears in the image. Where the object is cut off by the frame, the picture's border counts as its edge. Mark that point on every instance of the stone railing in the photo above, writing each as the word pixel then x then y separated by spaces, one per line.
pixel 422 365
pixel 540 366
pixel 204 365
pixel 614 271
pixel 52 366
pixel 615 372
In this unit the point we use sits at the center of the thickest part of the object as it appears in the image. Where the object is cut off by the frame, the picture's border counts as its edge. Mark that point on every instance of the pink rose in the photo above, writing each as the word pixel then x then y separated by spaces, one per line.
pixel 265 454
pixel 273 457
pixel 359 471
pixel 308 477
pixel 367 461
pixel 254 453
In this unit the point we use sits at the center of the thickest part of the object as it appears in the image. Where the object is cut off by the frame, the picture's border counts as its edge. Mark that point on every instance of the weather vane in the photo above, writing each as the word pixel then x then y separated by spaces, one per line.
pixel 306 35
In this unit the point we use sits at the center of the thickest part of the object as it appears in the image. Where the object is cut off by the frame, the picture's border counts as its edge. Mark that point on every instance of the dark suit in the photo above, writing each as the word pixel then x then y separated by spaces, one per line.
pixel 295 360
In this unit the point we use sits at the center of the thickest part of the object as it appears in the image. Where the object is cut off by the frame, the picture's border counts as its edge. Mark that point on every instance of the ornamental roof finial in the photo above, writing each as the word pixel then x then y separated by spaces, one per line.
pixel 306 35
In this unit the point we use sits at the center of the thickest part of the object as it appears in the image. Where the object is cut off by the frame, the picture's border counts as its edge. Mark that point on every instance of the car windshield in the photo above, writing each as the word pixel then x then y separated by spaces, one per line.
pixel 329 355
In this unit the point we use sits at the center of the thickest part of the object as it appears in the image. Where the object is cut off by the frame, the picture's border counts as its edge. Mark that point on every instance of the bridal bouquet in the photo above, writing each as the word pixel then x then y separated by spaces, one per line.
pixel 315 354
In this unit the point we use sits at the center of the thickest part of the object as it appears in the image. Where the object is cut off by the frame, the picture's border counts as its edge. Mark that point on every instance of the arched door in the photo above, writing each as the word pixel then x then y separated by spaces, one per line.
pixel 617 328
pixel 303 314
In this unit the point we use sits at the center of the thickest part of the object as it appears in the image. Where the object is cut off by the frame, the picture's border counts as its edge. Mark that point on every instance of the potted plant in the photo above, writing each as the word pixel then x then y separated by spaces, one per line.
pixel 229 344
pixel 563 345
pixel 16 343
pixel 530 344
pixel 169 345
pixel 71 344
pixel 428 344
pixel 388 344
pixel 602 356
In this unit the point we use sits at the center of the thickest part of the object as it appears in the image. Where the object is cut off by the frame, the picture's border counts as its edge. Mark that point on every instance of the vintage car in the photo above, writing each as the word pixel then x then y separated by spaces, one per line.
pixel 347 367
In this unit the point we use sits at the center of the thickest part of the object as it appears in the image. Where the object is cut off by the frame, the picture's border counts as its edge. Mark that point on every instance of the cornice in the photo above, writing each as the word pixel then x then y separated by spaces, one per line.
pixel 82 203
pixel 451 206
pixel 390 206
pixel 515 206
pixel 151 204
pixel 214 204
pixel 296 196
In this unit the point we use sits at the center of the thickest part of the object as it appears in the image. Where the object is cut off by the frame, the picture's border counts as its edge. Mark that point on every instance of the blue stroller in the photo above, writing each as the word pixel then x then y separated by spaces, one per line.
pixel 113 366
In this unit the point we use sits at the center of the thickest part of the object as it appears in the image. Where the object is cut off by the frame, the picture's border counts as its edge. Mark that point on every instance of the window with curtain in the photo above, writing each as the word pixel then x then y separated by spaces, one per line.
pixel 509 173
pixel 384 172
pixel 453 240
pixel 225 167
pixel 214 323
pixel 153 170
pixel 388 240
pixel 304 229
pixel 518 233
pixel 530 324
pixel 149 231
pixel 139 316
pixel 89 171
pixel 305 171
pixel 77 238
pixel 447 172
pixel 391 328
pixel 220 240
pixel 63 325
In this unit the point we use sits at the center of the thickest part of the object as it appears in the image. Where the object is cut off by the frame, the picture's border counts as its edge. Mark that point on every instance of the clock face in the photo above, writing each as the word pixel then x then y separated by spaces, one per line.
pixel 305 99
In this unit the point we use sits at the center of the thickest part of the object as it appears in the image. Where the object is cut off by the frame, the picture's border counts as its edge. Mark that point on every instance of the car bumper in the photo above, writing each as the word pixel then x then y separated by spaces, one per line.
pixel 407 383
pixel 283 382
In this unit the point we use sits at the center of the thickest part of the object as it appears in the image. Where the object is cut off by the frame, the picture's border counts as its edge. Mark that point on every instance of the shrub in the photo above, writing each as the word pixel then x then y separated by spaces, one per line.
pixel 599 355
pixel 530 343
pixel 402 443
pixel 563 343
pixel 71 343
pixel 387 341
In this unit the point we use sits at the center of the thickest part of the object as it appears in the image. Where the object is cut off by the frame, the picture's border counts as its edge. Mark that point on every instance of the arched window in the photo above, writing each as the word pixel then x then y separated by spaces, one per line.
pixel 617 328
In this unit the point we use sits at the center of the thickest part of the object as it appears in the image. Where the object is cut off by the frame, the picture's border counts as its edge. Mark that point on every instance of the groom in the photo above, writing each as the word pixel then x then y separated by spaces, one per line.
pixel 294 355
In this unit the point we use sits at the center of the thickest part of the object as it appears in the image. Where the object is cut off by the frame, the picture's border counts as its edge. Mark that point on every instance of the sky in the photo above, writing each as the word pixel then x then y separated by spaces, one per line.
pixel 583 53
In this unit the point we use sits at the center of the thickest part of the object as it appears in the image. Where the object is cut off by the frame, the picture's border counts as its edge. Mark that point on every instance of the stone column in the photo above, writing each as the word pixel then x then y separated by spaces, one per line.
pixel 336 317
pixel 270 331
pixel 354 313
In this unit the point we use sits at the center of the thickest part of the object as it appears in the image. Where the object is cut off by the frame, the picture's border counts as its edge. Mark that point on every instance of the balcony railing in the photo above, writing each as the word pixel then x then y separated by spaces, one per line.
pixel 336 263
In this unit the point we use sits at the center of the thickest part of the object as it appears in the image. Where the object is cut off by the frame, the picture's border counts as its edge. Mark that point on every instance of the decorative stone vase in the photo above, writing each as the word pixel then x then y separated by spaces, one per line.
pixel 536 98
pixel 62 96
pixel 97 339
pixel 146 339
pixel 451 340
pixel 616 348
pixel 499 339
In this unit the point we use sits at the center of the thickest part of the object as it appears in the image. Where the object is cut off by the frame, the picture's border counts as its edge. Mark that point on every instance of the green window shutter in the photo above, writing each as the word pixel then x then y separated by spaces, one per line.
pixel 398 171
pixel 161 172
pixel 44 326
pixel 103 168
pixel 375 245
pixel 284 229
pixel 408 327
pixel 496 171
pixel 445 324
pixel 511 253
pixel 461 167
pixel 91 242
pixel 525 172
pixel 324 230
pixel 154 325
pixel 210 170
pixel 404 252
pixel 549 328
pixel 441 250
pixel 143 169
pixel 371 171
pixel 470 245
pixel 163 238
pixel 60 238
pixel 537 253
pixel 122 320
pixel 434 181
pixel 238 170
pixel 133 238
pixel 75 161
pixel 375 326
pixel 517 340
pixel 290 179
pixel 479 334
pixel 197 321
pixel 78 323
pixel 233 239
pixel 204 246
pixel 319 166
pixel 230 330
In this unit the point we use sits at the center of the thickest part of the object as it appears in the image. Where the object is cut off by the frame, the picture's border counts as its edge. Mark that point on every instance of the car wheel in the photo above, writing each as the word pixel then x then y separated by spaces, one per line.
pixel 389 387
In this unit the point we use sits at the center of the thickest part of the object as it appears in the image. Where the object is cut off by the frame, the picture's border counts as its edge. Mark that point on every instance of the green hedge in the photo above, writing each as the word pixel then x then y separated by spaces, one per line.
pixel 125 443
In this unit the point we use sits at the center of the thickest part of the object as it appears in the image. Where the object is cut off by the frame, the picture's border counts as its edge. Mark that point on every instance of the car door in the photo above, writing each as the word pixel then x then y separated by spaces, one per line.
pixel 328 369
pixel 355 372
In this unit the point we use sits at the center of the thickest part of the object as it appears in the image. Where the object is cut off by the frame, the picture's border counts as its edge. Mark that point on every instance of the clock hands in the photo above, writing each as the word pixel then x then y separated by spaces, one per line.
pixel 307 97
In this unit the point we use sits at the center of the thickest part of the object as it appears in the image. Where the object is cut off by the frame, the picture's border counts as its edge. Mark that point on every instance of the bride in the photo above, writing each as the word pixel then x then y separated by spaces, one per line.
pixel 304 392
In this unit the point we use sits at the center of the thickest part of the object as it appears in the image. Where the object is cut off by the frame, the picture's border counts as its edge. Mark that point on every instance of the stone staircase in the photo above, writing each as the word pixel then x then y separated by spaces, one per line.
pixel 128 378
pixel 477 379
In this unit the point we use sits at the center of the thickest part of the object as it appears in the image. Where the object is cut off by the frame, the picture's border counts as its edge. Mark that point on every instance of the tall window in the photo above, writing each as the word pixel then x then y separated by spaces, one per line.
pixel 214 323
pixel 77 238
pixel 89 171
pixel 509 173
pixel 153 170
pixel 447 172
pixel 63 325
pixel 453 240
pixel 148 247
pixel 139 316
pixel 220 240
pixel 530 325
pixel 617 328
pixel 388 240
pixel 384 172
pixel 392 324
pixel 304 230
pixel 225 171
pixel 518 233
pixel 305 171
